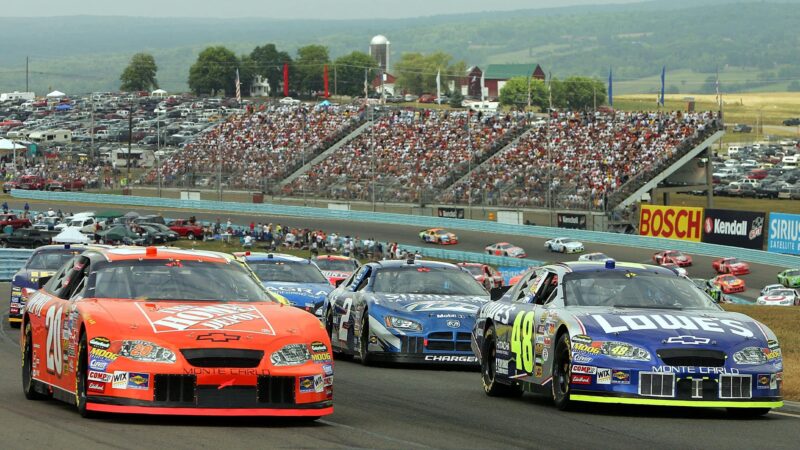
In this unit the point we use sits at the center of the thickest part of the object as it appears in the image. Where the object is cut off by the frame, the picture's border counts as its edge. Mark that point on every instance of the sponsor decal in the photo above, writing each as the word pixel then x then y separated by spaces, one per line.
pixel 612 324
pixel 319 384
pixel 138 380
pixel 784 233
pixel 450 316
pixel 102 343
pixel 318 347
pixel 773 381
pixel 95 386
pixel 103 354
pixel 501 366
pixel 620 377
pixel 450 213
pixel 537 371
pixel 425 306
pixel 673 222
pixel 545 354
pixel 452 323
pixel 321 357
pixel 102 377
pixel 547 341
pixel 307 384
pixel 98 364
pixel 328 369
pixel 734 228
pixel 502 345
pixel 225 317
pixel 551 328
pixel 583 348
pixel 588 370
pixel 699 370
pixel 687 340
pixel 581 379
pixel 145 351
pixel 576 221
pixel 763 380
pixel 603 376
pixel 451 358
pixel 329 381
pixel 770 354
pixel 772 344
pixel 581 358
pixel 538 349
pixel 120 380
pixel 582 339
pixel 779 376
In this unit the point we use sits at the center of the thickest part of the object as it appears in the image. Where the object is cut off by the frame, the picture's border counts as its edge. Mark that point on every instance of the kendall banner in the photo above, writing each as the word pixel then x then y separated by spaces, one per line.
pixel 784 233
pixel 577 221
pixel 673 222
pixel 451 213
pixel 735 228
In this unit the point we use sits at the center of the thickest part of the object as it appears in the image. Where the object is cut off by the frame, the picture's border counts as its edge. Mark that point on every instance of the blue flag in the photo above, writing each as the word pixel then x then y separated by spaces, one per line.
pixel 663 76
pixel 610 90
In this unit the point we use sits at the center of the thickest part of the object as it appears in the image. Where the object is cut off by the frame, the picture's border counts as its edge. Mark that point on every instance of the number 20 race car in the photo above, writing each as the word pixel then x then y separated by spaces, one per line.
pixel 625 333
pixel 167 331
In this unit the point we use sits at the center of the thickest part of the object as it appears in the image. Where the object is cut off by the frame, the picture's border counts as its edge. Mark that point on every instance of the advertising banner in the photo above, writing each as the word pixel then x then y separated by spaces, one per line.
pixel 451 213
pixel 672 222
pixel 784 233
pixel 566 220
pixel 743 229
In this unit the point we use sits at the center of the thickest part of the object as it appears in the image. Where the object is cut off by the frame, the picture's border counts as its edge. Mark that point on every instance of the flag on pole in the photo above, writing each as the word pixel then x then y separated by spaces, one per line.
pixel 610 88
pixel 663 77
pixel 716 87
pixel 238 87
pixel 439 87
pixel 285 79
pixel 483 82
pixel 325 80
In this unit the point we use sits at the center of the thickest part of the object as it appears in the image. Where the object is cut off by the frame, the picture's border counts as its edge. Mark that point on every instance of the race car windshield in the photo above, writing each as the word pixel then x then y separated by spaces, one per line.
pixel 49 260
pixel 475 270
pixel 339 265
pixel 782 293
pixel 281 271
pixel 732 261
pixel 634 290
pixel 792 273
pixel 175 280
pixel 426 280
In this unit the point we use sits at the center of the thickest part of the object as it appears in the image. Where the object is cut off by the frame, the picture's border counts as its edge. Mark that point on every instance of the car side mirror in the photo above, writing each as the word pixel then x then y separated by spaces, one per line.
pixel 43 281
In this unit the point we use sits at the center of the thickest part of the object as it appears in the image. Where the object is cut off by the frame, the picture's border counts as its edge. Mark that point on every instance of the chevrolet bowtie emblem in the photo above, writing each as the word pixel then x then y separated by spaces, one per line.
pixel 688 340
pixel 218 337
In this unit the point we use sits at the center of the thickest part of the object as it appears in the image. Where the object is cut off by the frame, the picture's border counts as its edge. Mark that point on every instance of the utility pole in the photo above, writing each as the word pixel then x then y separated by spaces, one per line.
pixel 372 151
pixel 130 139
pixel 219 171
pixel 27 73
pixel 549 157
pixel 469 163
pixel 335 82
pixel 303 142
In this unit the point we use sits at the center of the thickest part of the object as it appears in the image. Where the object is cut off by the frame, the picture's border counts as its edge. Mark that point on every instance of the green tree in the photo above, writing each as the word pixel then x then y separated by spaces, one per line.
pixel 416 73
pixel 515 93
pixel 309 67
pixel 583 93
pixel 268 61
pixel 457 98
pixel 794 86
pixel 140 75
pixel 350 73
pixel 214 71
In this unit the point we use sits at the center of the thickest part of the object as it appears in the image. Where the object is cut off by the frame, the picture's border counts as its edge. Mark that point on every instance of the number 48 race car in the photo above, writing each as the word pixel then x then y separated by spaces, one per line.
pixel 625 333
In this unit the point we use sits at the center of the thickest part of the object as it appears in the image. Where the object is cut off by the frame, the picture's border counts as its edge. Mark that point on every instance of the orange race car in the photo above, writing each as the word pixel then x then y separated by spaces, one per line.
pixel 168 331
pixel 336 268
pixel 728 284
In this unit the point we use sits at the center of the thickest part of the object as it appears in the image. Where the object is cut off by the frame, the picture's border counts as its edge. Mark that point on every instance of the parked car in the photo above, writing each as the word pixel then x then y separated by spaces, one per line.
pixel 795 121
pixel 26 238
pixel 289 101
pixel 426 98
pixel 742 128
pixel 14 221
pixel 187 229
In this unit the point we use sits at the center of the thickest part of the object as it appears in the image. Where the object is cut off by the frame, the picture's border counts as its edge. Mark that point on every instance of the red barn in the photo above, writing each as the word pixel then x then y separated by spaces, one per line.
pixel 471 84
pixel 496 75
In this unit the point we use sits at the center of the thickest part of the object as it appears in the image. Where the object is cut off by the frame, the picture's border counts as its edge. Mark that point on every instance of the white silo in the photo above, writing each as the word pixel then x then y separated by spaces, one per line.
pixel 379 50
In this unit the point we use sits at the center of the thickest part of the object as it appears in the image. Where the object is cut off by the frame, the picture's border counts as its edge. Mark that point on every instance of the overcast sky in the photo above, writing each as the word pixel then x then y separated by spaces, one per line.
pixel 279 9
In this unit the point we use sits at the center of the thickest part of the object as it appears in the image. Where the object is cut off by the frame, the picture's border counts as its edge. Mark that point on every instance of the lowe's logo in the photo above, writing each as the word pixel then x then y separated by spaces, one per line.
pixel 687 340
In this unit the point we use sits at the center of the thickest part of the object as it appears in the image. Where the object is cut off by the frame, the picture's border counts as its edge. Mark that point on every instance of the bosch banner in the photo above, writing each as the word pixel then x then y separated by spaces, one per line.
pixel 784 233
pixel 451 213
pixel 673 222
pixel 735 228
pixel 577 221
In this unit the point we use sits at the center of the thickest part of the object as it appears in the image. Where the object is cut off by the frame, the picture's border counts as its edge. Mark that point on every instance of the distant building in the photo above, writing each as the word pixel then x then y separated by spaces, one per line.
pixel 471 83
pixel 388 83
pixel 379 50
pixel 496 75
pixel 259 87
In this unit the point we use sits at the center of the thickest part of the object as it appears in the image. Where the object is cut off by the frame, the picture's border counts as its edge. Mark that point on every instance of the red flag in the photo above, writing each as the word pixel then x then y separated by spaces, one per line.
pixel 325 80
pixel 285 79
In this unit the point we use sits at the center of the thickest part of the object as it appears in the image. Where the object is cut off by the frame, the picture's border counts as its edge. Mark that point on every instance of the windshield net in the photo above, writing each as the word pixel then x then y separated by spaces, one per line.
pixel 634 290
pixel 283 271
pixel 336 264
pixel 426 280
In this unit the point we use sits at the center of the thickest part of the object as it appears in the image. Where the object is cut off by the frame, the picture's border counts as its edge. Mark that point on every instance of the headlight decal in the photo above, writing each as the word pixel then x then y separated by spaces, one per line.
pixel 291 355
pixel 145 351
pixel 402 324
pixel 750 356
pixel 625 351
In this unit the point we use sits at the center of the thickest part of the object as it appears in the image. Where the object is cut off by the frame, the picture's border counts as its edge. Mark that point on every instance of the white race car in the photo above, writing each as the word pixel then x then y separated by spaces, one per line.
pixel 564 245
pixel 596 257
pixel 771 287
pixel 780 297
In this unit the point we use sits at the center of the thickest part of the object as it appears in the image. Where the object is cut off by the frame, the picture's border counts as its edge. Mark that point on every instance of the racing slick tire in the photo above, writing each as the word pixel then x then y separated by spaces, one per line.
pixel 190 236
pixel 29 385
pixel 492 387
pixel 81 378
pixel 562 366
pixel 747 413
pixel 363 343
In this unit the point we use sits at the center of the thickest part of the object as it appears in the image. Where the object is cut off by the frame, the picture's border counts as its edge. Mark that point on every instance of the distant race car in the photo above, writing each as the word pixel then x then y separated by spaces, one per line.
pixel 730 265
pixel 410 311
pixel 43 263
pixel 564 245
pixel 484 274
pixel 505 249
pixel 672 256
pixel 628 334
pixel 789 278
pixel 711 289
pixel 170 331
pixel 676 268
pixel 336 267
pixel 298 280
pixel 438 236
pixel 596 257
pixel 780 297
pixel 771 287
pixel 728 283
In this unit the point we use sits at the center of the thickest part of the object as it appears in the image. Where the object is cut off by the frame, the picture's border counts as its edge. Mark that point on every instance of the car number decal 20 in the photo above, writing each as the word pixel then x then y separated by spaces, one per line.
pixel 522 341
pixel 55 356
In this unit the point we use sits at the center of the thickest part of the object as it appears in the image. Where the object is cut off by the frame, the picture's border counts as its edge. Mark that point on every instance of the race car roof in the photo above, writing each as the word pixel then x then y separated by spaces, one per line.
pixel 335 257
pixel 394 263
pixel 593 266
pixel 282 257
pixel 128 253
pixel 470 264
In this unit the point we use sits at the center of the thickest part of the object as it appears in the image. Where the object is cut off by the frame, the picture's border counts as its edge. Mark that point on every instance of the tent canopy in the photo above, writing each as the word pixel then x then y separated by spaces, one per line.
pixel 8 144
pixel 56 94
pixel 71 235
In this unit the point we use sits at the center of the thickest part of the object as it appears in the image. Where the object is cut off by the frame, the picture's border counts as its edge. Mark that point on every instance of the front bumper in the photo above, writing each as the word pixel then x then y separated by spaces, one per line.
pixel 127 406
pixel 594 398
pixel 732 289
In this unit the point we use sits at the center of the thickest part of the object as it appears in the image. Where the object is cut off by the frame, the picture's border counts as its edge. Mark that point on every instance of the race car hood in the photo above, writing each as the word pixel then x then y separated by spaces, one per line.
pixel 653 328
pixel 424 303
pixel 301 294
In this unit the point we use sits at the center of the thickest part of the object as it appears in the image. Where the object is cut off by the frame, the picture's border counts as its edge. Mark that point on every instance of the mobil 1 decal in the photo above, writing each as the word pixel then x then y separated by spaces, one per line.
pixel 734 228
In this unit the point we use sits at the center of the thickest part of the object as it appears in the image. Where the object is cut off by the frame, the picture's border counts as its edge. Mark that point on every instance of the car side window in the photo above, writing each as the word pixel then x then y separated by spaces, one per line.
pixel 527 287
pixel 75 280
pixel 54 284
pixel 546 288
pixel 361 279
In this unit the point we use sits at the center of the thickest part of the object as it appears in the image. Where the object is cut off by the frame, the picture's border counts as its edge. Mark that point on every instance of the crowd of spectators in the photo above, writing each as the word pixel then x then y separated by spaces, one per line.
pixel 584 157
pixel 259 145
pixel 405 153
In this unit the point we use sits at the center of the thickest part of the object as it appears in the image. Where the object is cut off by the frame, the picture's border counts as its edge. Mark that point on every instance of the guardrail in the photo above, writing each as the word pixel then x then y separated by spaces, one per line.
pixel 459 256
pixel 266 209
pixel 11 260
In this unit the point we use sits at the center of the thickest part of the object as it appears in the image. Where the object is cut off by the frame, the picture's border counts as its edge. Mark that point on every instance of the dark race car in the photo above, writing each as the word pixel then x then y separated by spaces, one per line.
pixel 405 311
pixel 628 334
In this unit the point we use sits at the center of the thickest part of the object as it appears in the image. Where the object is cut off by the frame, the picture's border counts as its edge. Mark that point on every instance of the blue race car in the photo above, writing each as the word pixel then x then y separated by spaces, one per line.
pixel 625 333
pixel 44 262
pixel 406 311
pixel 298 280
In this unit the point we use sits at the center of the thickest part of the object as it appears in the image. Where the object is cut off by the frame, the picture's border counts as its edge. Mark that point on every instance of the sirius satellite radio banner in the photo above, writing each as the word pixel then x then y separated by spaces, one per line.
pixel 734 228
pixel 784 233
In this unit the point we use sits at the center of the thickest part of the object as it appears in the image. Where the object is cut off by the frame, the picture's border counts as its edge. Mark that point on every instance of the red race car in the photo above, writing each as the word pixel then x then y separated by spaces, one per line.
pixel 168 331
pixel 336 268
pixel 672 256
pixel 488 276
pixel 728 284
pixel 730 265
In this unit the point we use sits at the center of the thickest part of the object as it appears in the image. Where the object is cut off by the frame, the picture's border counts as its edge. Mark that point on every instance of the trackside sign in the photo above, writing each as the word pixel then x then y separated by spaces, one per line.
pixel 672 222
pixel 734 228
pixel 784 233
